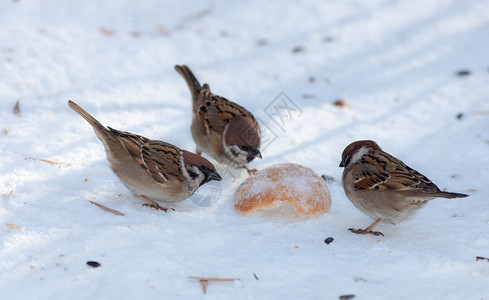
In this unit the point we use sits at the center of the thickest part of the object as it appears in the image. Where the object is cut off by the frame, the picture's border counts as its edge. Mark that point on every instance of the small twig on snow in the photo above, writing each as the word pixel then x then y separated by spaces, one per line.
pixel 115 212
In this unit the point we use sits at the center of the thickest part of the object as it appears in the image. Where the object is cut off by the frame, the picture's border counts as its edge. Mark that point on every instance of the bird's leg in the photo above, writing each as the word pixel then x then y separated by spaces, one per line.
pixel 368 230
pixel 250 171
pixel 152 204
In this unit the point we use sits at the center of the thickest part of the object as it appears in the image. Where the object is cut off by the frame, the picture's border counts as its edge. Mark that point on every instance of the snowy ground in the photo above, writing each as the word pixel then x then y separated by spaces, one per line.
pixel 395 62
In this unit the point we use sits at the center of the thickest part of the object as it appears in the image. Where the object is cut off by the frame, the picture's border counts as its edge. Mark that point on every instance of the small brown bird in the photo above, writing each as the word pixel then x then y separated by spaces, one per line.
pixel 383 187
pixel 151 169
pixel 221 128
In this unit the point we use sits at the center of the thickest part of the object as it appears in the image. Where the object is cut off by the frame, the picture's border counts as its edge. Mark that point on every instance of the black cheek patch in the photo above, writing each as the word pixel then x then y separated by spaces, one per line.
pixel 192 174
pixel 234 151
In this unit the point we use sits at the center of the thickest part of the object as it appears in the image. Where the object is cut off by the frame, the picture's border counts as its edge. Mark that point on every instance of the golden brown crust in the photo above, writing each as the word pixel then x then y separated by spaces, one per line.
pixel 284 183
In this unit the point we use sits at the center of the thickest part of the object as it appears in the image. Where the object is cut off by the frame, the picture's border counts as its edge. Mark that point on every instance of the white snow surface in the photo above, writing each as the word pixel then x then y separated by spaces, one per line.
pixel 394 61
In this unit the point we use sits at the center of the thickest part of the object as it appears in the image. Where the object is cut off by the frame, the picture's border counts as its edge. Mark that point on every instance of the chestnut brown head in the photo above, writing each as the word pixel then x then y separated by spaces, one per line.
pixel 356 150
pixel 242 137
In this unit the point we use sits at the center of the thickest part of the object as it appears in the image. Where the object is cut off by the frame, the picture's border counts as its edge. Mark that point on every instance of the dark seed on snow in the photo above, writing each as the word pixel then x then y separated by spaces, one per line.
pixel 298 49
pixel 261 42
pixel 463 73
pixel 329 240
pixel 460 116
pixel 347 297
pixel 328 39
pixel 94 264
pixel 308 96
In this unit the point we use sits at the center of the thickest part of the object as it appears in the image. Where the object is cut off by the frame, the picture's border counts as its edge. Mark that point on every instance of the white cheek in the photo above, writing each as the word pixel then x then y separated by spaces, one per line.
pixel 357 156
pixel 192 183
pixel 235 151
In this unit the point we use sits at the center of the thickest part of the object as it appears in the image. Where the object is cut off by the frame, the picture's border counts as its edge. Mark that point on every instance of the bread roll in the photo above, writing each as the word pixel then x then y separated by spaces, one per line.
pixel 284 184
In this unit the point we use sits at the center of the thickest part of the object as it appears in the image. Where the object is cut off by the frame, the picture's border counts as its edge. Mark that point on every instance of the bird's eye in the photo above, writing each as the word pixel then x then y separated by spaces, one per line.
pixel 203 168
pixel 244 148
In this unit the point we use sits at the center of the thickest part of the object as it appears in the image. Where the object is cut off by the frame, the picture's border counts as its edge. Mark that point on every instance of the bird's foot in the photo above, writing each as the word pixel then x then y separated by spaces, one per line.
pixel 251 171
pixel 152 204
pixel 365 231
pixel 368 230
pixel 156 206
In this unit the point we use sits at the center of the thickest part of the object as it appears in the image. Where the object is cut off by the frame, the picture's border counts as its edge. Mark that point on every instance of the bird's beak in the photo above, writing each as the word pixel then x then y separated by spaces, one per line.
pixel 214 176
pixel 344 161
pixel 256 152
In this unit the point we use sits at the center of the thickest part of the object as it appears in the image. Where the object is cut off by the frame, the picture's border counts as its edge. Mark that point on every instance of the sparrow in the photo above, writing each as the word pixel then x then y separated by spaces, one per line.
pixel 383 187
pixel 151 169
pixel 221 128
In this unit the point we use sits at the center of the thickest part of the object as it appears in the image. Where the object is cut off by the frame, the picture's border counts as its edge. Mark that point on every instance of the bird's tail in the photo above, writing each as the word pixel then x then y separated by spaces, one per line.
pixel 95 124
pixel 450 195
pixel 192 82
